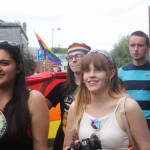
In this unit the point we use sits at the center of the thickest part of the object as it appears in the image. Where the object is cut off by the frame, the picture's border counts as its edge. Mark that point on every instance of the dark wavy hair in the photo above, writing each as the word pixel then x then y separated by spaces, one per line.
pixel 16 110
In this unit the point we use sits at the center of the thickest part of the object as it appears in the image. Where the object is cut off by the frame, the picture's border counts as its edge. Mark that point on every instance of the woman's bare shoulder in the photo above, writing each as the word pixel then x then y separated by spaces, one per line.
pixel 35 95
pixel 36 100
pixel 131 105
pixel 73 104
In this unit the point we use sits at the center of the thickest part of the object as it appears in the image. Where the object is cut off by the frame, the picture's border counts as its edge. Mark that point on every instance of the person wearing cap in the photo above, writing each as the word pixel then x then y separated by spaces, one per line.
pixel 64 93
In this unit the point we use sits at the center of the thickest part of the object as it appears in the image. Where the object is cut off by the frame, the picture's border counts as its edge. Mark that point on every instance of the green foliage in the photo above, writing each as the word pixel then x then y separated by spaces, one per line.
pixel 59 50
pixel 29 63
pixel 120 51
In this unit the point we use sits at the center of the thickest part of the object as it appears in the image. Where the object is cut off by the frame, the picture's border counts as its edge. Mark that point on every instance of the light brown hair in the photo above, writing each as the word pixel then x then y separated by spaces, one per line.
pixel 83 98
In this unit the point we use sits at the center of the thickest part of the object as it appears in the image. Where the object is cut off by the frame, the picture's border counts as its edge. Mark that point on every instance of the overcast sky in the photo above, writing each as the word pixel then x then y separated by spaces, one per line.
pixel 98 23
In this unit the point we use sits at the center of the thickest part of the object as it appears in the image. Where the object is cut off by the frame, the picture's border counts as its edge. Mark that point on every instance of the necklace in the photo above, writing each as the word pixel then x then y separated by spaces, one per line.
pixel 3 124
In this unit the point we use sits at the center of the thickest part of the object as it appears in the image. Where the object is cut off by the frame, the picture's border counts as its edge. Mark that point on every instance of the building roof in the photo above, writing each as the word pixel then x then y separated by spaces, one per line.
pixel 14 24
pixel 1 20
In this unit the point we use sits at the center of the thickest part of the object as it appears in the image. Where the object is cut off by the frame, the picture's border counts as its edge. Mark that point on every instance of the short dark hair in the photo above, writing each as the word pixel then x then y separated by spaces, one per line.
pixel 142 34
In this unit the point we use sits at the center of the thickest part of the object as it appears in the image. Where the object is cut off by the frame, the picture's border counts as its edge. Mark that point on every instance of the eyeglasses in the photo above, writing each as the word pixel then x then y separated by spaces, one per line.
pixel 96 125
pixel 77 57
pixel 10 42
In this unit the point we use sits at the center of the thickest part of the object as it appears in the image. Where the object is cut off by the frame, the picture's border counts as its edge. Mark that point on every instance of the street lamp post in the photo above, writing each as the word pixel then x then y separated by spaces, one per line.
pixel 52 35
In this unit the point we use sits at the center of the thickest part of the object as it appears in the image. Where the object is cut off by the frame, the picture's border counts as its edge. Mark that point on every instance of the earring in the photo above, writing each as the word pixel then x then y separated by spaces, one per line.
pixel 110 80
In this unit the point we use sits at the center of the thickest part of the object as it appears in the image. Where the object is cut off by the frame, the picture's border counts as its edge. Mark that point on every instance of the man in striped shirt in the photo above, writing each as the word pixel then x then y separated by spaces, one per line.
pixel 135 76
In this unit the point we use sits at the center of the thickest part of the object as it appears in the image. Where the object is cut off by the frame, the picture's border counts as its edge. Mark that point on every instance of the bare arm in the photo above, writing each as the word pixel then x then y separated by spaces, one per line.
pixel 71 135
pixel 138 124
pixel 39 120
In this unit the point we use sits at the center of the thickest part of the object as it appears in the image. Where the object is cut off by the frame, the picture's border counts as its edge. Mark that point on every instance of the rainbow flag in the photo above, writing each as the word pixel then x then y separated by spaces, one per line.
pixel 47 51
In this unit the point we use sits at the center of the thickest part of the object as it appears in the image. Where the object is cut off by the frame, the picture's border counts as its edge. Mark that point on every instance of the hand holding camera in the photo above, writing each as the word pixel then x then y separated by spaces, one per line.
pixel 86 144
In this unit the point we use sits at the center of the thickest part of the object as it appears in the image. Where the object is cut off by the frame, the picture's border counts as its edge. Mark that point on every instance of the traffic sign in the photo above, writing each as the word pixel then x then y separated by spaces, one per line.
pixel 39 55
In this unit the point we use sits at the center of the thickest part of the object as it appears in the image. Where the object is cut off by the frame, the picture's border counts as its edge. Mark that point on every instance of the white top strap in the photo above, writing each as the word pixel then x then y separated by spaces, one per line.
pixel 125 121
pixel 118 104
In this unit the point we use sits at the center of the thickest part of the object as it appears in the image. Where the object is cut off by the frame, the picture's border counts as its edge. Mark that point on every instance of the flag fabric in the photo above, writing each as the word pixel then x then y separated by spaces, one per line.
pixel 34 82
pixel 47 51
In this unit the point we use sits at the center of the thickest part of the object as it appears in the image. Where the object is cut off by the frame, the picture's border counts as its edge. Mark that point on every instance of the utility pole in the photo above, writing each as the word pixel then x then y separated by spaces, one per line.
pixel 52 36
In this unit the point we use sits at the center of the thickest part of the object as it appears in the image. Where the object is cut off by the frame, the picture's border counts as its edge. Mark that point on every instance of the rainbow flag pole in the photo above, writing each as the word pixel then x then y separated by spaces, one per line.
pixel 47 51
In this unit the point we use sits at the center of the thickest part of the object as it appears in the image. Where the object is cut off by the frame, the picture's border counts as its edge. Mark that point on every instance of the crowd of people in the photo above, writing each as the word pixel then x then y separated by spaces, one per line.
pixel 90 100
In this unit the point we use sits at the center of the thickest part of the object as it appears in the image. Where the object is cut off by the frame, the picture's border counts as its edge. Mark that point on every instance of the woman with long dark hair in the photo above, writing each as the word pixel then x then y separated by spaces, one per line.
pixel 24 117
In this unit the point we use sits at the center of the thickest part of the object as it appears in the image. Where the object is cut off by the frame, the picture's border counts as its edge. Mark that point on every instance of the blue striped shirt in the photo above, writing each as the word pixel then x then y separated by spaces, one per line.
pixel 136 80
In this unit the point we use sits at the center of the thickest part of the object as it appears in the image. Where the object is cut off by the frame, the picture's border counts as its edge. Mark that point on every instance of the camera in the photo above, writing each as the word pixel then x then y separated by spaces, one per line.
pixel 86 144
pixel 91 144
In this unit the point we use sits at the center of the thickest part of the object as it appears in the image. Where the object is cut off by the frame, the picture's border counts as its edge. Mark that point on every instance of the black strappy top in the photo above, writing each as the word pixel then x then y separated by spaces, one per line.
pixel 14 143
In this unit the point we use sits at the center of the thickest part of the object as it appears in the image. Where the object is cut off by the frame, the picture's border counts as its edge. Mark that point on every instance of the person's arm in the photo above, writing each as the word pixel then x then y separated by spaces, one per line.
pixel 54 96
pixel 49 103
pixel 71 135
pixel 39 120
pixel 138 124
pixel 44 85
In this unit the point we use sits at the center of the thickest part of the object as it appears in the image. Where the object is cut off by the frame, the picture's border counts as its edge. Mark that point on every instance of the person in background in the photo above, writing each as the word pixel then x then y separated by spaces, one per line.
pixel 95 113
pixel 135 76
pixel 24 117
pixel 58 69
pixel 64 93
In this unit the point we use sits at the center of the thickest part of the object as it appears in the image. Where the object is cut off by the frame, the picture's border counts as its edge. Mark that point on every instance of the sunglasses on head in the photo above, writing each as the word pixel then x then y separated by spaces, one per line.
pixel 96 125
pixel 10 42
pixel 15 44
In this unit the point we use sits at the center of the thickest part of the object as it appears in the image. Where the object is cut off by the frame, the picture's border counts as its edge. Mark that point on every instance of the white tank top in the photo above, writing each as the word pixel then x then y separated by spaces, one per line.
pixel 112 137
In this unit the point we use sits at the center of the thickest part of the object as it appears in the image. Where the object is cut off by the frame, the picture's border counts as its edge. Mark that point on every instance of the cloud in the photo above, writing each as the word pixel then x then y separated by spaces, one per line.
pixel 98 23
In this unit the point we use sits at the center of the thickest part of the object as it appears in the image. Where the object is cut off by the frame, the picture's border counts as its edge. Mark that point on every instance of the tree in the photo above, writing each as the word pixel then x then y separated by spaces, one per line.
pixel 60 50
pixel 120 51
pixel 29 63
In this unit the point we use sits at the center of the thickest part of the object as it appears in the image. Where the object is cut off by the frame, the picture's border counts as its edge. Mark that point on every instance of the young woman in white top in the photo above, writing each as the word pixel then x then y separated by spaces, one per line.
pixel 98 103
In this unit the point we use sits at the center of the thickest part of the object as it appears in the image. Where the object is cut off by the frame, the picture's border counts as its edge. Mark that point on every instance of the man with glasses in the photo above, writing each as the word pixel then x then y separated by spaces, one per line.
pixel 64 93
